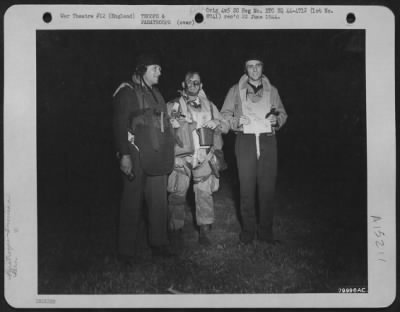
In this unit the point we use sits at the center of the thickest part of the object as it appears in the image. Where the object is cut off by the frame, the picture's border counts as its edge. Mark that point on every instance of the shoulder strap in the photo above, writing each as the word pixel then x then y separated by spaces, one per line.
pixel 182 103
pixel 122 85
pixel 236 109
pixel 140 97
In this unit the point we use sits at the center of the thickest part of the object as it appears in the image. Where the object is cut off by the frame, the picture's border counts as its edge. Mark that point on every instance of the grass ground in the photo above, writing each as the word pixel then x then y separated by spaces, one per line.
pixel 319 254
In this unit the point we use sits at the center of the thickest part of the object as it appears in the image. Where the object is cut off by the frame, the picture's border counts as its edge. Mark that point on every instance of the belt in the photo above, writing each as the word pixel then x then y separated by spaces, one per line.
pixel 257 136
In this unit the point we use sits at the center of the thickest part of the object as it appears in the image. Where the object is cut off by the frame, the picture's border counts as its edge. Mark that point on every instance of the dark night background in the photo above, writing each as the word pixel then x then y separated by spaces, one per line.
pixel 320 75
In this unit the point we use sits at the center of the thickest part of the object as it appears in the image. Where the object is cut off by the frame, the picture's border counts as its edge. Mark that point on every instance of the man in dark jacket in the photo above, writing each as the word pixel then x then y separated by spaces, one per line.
pixel 138 106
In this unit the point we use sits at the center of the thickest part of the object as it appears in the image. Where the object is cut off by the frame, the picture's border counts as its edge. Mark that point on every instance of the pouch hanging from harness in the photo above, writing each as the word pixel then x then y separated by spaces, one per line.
pixel 155 140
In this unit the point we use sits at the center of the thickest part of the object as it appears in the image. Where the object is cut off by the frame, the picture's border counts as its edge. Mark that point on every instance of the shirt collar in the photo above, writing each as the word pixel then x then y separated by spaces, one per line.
pixel 195 103
pixel 244 79
pixel 255 88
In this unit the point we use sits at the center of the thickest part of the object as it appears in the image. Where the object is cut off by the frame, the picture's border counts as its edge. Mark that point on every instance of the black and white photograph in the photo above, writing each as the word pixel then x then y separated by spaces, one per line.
pixel 315 189
pixel 204 161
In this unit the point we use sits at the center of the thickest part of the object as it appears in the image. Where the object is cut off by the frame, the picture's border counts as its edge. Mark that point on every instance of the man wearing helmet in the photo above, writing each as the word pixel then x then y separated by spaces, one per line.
pixel 144 148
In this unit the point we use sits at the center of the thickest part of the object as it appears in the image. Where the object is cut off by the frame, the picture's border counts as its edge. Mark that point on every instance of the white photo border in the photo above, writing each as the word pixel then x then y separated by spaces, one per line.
pixel 20 190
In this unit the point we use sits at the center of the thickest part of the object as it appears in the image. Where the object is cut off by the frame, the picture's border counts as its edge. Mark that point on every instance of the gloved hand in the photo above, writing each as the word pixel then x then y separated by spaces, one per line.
pixel 272 119
pixel 179 162
pixel 212 124
pixel 126 164
pixel 244 120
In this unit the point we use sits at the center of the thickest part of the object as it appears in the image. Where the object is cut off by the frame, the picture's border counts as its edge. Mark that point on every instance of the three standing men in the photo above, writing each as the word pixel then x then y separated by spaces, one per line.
pixel 252 109
pixel 255 112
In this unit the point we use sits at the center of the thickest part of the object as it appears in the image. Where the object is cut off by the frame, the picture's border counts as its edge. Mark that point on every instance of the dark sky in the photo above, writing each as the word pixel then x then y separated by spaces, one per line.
pixel 320 75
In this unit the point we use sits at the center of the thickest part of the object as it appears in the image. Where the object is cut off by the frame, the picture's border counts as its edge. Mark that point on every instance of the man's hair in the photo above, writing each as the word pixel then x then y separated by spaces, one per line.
pixel 190 74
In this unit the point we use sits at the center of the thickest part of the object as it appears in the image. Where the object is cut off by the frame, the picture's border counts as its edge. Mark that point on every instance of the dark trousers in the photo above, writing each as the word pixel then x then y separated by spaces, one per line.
pixel 257 174
pixel 152 190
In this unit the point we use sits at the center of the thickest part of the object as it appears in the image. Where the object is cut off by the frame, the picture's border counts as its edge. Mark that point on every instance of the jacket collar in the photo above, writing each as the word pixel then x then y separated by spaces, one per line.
pixel 264 80
pixel 139 82
pixel 201 97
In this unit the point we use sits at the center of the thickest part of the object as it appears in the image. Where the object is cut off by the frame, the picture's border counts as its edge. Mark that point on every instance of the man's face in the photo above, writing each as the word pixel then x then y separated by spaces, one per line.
pixel 193 85
pixel 152 74
pixel 254 70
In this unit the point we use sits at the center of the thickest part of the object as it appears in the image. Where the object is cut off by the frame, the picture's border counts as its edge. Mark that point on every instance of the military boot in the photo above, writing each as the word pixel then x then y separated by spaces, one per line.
pixel 204 235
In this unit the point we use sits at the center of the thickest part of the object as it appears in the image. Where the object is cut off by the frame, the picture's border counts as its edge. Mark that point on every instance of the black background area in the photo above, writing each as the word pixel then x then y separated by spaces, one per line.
pixel 320 75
